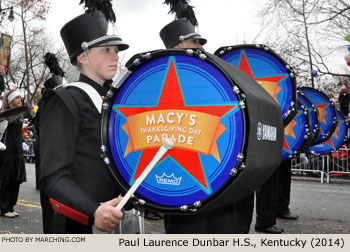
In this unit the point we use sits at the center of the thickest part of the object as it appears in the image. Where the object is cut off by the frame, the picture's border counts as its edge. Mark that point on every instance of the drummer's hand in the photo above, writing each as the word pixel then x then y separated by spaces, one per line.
pixel 107 216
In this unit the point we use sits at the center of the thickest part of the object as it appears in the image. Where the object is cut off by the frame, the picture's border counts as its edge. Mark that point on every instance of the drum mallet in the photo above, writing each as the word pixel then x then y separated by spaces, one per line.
pixel 167 144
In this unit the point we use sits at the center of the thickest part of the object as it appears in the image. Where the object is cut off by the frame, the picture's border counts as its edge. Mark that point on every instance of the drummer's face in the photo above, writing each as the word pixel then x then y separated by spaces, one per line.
pixel 190 43
pixel 16 102
pixel 105 60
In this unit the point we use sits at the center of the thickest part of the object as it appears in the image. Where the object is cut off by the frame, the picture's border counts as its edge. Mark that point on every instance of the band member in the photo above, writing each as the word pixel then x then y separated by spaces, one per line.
pixel 266 206
pixel 12 168
pixel 344 99
pixel 53 82
pixel 284 185
pixel 73 175
pixel 234 218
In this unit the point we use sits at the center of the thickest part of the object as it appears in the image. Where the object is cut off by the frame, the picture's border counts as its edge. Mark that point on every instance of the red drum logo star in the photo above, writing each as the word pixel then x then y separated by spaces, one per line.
pixel 270 83
pixel 335 134
pixel 170 111
pixel 322 112
pixel 289 131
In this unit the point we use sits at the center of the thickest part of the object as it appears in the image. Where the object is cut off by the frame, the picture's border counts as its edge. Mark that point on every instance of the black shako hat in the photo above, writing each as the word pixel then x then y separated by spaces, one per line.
pixel 183 27
pixel 86 31
pixel 178 31
pixel 56 79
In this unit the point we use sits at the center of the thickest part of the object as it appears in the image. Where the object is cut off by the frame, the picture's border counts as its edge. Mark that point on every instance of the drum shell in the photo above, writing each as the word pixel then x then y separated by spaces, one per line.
pixel 261 157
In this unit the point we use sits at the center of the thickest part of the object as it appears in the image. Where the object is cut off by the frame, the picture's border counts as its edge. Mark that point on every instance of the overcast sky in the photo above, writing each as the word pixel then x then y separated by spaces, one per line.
pixel 221 22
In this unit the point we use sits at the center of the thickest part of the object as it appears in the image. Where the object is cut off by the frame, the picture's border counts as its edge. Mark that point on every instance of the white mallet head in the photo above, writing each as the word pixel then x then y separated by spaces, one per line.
pixel 167 143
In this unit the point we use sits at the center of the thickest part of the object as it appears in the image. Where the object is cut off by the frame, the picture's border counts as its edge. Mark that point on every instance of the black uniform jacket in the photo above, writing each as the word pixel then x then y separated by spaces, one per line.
pixel 72 172
pixel 12 168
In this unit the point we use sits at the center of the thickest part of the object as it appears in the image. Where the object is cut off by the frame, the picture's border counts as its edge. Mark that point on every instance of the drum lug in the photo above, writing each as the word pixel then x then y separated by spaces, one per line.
pixel 106 160
pixel 241 104
pixel 291 75
pixel 137 62
pixel 197 204
pixel 147 55
pixel 142 202
pixel 184 208
pixel 103 148
pixel 236 90
pixel 202 56
pixel 234 172
pixel 121 78
pixel 105 105
pixel 240 157
pixel 189 52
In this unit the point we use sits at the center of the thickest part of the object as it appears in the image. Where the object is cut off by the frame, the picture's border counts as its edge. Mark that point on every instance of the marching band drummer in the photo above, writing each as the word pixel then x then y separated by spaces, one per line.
pixel 81 188
pixel 234 218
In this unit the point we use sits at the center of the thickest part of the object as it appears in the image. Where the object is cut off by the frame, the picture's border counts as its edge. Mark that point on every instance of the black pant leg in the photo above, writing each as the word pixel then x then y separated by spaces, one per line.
pixel 4 198
pixel 9 196
pixel 186 224
pixel 284 184
pixel 46 213
pixel 266 202
pixel 232 219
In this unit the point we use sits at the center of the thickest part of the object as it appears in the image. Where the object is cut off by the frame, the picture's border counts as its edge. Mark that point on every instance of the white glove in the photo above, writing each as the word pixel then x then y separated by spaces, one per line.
pixel 2 146
pixel 25 147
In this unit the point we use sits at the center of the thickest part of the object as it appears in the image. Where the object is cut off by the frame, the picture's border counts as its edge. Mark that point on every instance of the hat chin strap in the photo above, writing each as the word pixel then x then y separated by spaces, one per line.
pixel 99 75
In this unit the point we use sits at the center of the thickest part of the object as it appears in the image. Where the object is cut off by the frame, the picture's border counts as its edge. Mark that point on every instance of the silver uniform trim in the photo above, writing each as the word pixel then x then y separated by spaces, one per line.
pixel 95 41
pixel 184 37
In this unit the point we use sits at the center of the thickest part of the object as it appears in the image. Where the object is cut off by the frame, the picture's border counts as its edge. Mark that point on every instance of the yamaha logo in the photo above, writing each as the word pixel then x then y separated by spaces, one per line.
pixel 266 132
pixel 259 131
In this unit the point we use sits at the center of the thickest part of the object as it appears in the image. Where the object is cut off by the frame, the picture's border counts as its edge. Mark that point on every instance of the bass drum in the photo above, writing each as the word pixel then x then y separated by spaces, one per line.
pixel 189 97
pixel 313 116
pixel 326 110
pixel 269 70
pixel 336 140
pixel 296 132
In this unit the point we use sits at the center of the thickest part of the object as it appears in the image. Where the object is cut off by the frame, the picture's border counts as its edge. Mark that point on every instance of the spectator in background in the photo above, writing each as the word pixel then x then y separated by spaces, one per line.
pixel 344 99
pixel 12 168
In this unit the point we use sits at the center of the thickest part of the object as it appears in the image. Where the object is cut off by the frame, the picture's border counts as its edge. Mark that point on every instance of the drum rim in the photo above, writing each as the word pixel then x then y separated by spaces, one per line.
pixel 292 110
pixel 136 62
pixel 317 125
pixel 307 132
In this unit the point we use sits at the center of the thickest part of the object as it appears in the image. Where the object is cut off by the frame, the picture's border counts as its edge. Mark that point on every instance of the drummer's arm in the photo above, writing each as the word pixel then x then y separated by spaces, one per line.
pixel 58 134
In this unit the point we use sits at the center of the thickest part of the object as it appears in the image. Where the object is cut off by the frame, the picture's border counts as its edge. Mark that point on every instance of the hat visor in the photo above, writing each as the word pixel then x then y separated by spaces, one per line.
pixel 201 40
pixel 114 41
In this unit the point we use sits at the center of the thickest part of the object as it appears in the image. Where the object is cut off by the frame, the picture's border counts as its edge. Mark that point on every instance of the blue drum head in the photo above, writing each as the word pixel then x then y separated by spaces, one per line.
pixel 296 132
pixel 326 111
pixel 269 70
pixel 335 141
pixel 189 101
